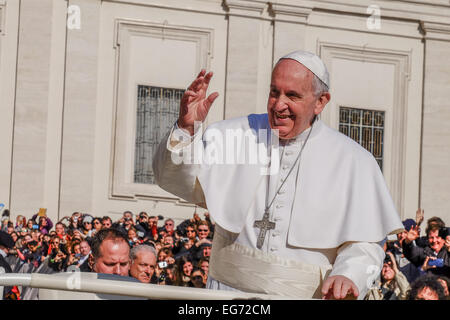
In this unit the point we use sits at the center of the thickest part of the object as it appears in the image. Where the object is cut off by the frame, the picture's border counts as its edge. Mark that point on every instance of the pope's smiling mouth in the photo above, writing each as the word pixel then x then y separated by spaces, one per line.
pixel 284 116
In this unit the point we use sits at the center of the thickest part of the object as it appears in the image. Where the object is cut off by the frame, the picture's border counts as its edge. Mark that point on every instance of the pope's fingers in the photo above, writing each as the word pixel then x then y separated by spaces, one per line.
pixel 213 96
pixel 208 77
pixel 346 289
pixel 326 286
pixel 337 288
pixel 197 84
pixel 201 73
pixel 189 93
pixel 192 85
pixel 355 290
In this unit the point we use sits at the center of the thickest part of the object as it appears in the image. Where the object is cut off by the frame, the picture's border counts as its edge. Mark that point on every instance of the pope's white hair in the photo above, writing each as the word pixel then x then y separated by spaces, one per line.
pixel 318 86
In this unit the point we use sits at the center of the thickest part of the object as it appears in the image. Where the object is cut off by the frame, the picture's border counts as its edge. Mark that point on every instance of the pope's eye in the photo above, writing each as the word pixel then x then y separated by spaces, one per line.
pixel 273 93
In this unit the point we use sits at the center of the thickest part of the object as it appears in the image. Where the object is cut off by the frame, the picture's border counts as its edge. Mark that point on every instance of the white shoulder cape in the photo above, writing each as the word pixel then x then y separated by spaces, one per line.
pixel 341 196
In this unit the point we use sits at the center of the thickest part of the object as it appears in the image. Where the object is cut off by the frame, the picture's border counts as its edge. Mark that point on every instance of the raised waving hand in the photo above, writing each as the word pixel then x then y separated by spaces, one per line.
pixel 194 105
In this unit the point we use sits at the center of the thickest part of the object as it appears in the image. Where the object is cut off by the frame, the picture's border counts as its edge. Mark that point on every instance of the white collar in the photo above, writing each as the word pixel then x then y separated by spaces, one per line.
pixel 316 126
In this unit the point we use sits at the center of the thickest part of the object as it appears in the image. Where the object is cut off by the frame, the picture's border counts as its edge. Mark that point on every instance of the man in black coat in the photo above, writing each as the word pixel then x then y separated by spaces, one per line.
pixel 6 242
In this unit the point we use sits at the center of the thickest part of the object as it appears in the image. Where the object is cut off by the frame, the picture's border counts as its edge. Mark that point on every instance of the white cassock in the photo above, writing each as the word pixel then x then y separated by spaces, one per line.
pixel 330 215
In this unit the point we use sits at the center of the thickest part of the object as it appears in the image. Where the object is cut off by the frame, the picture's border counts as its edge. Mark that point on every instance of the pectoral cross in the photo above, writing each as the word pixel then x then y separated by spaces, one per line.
pixel 264 225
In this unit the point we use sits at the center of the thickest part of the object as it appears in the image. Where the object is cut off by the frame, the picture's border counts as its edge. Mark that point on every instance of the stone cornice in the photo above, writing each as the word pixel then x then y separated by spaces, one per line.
pixel 286 13
pixel 244 8
pixel 436 31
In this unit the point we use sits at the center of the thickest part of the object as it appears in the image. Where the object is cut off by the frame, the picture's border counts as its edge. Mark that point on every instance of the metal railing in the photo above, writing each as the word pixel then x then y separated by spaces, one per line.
pixel 93 283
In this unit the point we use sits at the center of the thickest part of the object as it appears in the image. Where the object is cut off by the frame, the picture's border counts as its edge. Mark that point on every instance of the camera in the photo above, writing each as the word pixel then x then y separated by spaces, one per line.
pixel 162 277
pixel 387 258
pixel 390 246
pixel 439 262
pixel 162 264
pixel 444 232
pixel 184 240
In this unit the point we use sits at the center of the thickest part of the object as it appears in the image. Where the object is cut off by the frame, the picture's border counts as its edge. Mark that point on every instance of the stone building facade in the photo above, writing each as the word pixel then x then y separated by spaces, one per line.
pixel 70 73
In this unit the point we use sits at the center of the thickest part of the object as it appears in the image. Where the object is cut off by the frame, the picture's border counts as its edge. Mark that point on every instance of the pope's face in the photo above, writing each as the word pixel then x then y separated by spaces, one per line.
pixel 114 258
pixel 292 104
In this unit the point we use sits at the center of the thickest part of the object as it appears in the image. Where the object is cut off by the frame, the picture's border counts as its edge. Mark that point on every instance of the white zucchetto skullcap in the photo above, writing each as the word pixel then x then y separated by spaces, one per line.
pixel 312 62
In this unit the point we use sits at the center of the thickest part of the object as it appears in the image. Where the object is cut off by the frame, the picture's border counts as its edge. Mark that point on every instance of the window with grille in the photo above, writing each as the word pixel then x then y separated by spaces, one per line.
pixel 157 111
pixel 365 127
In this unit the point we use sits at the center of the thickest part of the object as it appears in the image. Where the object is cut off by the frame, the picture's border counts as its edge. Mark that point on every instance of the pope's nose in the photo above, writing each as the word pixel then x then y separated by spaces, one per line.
pixel 280 105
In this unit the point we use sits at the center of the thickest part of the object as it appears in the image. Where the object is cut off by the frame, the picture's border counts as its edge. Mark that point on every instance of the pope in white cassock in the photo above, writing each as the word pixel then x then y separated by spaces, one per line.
pixel 309 223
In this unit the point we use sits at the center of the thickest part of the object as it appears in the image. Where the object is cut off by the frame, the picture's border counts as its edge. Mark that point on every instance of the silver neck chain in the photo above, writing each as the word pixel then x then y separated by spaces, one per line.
pixel 290 171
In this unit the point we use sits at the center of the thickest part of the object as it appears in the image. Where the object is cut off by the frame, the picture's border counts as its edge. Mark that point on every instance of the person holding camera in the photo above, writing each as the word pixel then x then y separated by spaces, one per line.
pixel 393 284
pixel 74 254
pixel 185 245
pixel 142 224
pixel 435 258
pixel 133 238
pixel 125 223
pixel 59 257
pixel 60 230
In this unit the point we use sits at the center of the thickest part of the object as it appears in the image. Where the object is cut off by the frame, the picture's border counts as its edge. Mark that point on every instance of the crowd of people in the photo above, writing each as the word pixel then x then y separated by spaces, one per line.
pixel 415 267
pixel 154 250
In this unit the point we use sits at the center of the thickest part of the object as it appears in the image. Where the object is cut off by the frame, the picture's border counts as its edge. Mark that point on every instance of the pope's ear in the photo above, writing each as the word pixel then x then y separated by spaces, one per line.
pixel 321 102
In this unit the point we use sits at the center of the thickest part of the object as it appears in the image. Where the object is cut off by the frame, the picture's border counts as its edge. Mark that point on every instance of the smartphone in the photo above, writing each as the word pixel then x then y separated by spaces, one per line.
pixel 437 262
